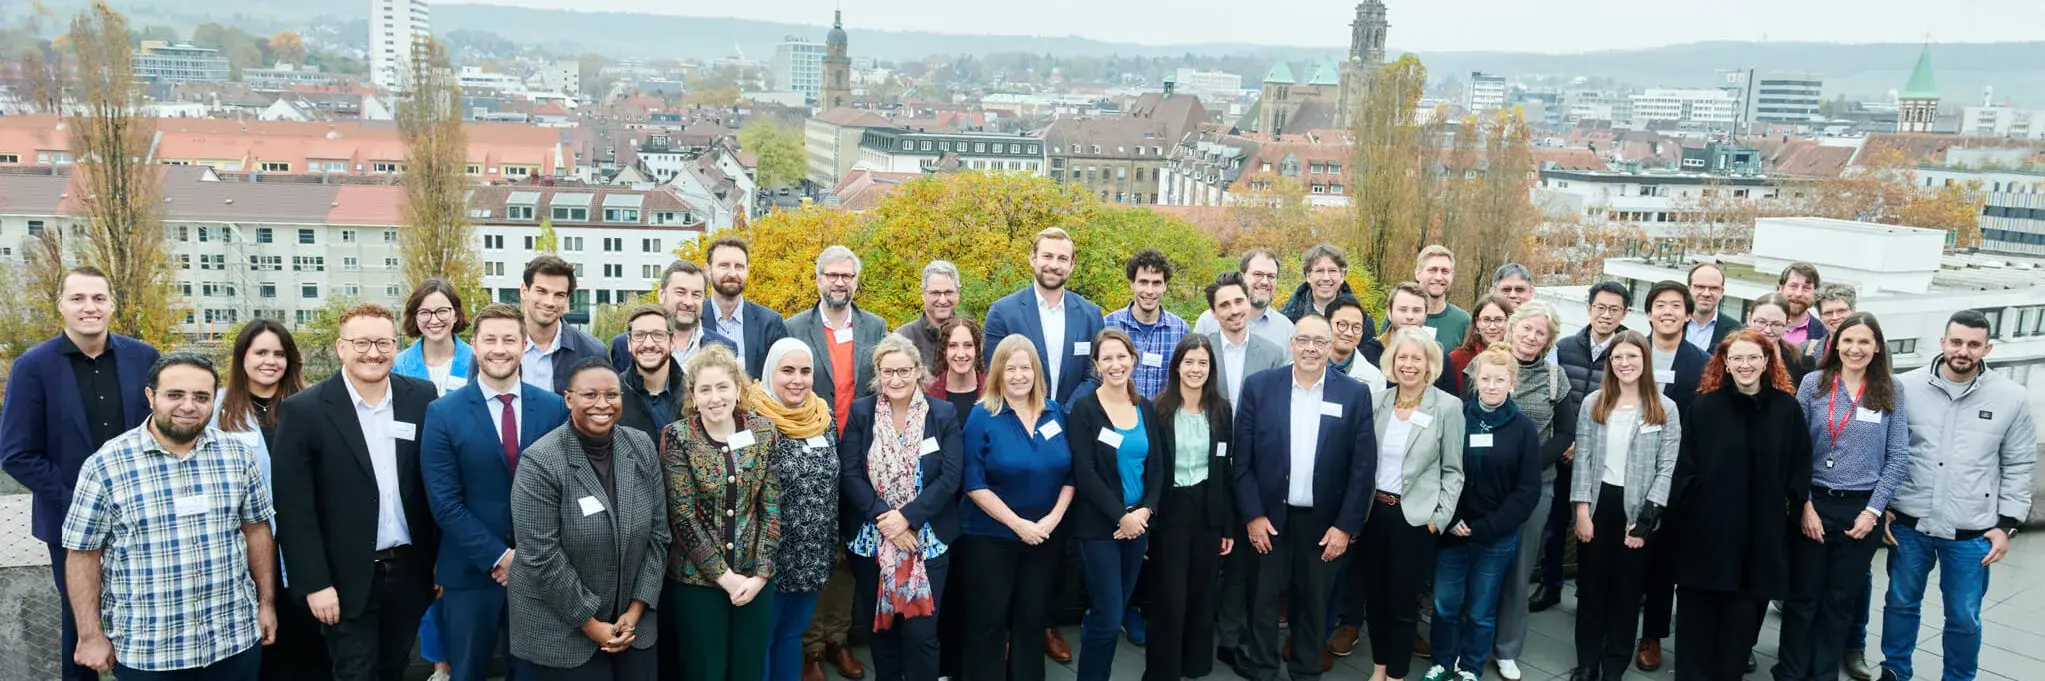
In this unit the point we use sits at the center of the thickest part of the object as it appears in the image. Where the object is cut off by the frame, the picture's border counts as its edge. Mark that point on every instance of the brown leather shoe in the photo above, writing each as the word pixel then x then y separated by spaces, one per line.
pixel 1344 641
pixel 842 659
pixel 1649 658
pixel 813 667
pixel 1056 648
pixel 1421 648
pixel 1285 651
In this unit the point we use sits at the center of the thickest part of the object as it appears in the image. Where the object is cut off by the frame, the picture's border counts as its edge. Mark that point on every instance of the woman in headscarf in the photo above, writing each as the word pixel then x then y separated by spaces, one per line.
pixel 807 458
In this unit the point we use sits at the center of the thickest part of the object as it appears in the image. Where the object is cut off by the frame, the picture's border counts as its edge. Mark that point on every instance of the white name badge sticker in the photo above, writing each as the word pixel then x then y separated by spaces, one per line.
pixel 1152 359
pixel 1050 430
pixel 404 431
pixel 842 335
pixel 1431 331
pixel 1221 449
pixel 816 442
pixel 1651 428
pixel 1331 409
pixel 192 505
pixel 929 445
pixel 454 383
pixel 1111 438
pixel 1083 349
pixel 590 506
pixel 1665 376
pixel 1422 419
pixel 1480 439
pixel 1866 414
pixel 741 439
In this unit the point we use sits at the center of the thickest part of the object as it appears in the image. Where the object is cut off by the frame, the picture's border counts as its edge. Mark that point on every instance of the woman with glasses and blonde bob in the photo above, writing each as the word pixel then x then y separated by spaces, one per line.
pixel 899 461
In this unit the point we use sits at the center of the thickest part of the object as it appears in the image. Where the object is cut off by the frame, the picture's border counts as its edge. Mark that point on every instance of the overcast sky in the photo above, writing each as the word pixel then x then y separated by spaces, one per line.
pixel 1419 25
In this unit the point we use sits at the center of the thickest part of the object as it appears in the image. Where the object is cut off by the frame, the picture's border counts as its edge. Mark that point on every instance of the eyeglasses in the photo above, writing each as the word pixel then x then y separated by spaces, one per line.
pixel 1768 325
pixel 1262 276
pixel 596 395
pixel 838 277
pixel 1316 342
pixel 435 313
pixel 1602 310
pixel 902 372
pixel 1746 360
pixel 362 345
pixel 653 336
pixel 1324 271
pixel 1348 327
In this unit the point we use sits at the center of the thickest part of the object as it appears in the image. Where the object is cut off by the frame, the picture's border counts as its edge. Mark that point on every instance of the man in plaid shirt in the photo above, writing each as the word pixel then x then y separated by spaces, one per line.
pixel 1155 330
pixel 170 553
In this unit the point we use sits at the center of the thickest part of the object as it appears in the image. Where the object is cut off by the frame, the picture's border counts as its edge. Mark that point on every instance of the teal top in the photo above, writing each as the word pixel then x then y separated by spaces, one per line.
pixel 1129 460
pixel 1189 460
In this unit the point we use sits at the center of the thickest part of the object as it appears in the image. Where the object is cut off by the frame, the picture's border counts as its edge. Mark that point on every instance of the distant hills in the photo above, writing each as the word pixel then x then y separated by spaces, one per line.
pixel 2016 70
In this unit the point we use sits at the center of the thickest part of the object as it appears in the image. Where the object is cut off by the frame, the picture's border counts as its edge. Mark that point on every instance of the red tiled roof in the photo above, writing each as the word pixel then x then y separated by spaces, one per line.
pixel 865 188
pixel 1568 159
pixel 295 143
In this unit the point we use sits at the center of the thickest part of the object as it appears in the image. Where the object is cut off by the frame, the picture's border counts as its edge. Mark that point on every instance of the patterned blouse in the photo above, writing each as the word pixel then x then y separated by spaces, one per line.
pixel 809 512
pixel 723 505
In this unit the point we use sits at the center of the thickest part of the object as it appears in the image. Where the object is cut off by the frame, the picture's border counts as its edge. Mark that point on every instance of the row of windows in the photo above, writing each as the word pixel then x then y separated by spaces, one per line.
pixel 2012 236
pixel 2013 212
pixel 525 213
pixel 268 289
pixel 977 147
pixel 264 235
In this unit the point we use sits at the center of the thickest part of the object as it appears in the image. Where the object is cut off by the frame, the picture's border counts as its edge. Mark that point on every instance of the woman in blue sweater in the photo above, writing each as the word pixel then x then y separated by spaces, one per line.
pixel 1501 481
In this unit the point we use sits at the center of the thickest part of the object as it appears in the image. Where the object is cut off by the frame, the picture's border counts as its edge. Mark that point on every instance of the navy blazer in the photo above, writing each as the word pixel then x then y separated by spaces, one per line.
pixel 621 351
pixel 1017 313
pixel 468 483
pixel 44 439
pixel 1689 370
pixel 1345 462
pixel 763 326
pixel 937 505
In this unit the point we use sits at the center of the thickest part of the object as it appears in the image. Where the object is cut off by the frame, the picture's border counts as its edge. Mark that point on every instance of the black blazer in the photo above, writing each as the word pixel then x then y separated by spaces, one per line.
pixel 1211 495
pixel 943 470
pixel 1097 474
pixel 326 490
pixel 1725 326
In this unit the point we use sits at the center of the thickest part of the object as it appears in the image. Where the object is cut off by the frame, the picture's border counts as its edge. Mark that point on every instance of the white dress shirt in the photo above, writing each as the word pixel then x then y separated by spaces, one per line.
pixel 1306 440
pixel 1392 455
pixel 536 366
pixel 496 410
pixel 732 325
pixel 1233 357
pixel 1053 318
pixel 1620 425
pixel 377 419
pixel 1271 326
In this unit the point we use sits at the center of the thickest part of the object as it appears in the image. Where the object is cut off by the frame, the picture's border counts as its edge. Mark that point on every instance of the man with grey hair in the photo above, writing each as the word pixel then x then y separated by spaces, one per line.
pixel 940 303
pixel 1513 282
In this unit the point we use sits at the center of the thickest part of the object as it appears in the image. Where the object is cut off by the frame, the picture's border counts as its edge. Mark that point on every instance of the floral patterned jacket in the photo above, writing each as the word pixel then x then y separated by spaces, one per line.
pixel 723 504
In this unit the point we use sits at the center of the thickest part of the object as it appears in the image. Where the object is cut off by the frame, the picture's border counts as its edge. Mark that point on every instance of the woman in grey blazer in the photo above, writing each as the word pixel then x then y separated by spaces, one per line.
pixel 1419 479
pixel 1627 436
pixel 589 517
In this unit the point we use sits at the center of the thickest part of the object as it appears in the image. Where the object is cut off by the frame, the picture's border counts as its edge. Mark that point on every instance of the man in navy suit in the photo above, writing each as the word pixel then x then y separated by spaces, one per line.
pixel 65 398
pixel 681 293
pixel 1307 454
pixel 750 326
pixel 468 453
pixel 1062 324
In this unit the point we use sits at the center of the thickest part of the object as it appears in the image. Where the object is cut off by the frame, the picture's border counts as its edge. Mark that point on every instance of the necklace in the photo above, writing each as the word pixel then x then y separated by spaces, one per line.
pixel 1399 401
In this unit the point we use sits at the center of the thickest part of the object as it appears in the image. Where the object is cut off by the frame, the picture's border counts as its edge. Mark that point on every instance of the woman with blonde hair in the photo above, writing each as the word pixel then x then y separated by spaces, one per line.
pixel 1542 396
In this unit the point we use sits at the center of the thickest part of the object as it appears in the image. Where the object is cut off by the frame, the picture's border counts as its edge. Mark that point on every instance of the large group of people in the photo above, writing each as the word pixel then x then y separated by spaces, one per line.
pixel 725 494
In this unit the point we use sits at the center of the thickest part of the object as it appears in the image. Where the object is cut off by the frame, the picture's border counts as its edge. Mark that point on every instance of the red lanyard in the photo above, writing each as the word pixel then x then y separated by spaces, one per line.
pixel 1832 402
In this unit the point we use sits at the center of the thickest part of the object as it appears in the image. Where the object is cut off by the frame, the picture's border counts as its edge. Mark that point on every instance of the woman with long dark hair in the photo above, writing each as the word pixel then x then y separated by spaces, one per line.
pixel 1195 515
pixel 1860 453
pixel 1487 326
pixel 1769 314
pixel 264 367
pixel 1736 485
pixel 1118 473
pixel 959 382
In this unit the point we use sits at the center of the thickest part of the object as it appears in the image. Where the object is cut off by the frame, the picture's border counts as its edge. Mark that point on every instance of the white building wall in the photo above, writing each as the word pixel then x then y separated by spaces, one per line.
pixel 610 276
pixel 394 27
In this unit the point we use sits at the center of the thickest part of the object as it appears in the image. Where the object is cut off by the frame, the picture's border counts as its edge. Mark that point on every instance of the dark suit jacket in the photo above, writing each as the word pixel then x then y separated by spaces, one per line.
pixel 468 482
pixel 763 327
pixel 621 349
pixel 1345 461
pixel 1725 326
pixel 943 470
pixel 326 489
pixel 867 330
pixel 1017 313
pixel 576 344
pixel 1689 370
pixel 1097 473
pixel 1215 495
pixel 44 439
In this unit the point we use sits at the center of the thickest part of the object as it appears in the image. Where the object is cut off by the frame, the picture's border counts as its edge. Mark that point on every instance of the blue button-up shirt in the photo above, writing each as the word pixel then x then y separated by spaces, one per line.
pixel 731 324
pixel 1026 470
pixel 1154 344
pixel 1700 334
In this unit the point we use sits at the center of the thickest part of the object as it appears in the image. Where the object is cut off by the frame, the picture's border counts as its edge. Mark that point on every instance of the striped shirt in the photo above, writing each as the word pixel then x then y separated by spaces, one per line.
pixel 175 589
pixel 1154 344
pixel 1873 449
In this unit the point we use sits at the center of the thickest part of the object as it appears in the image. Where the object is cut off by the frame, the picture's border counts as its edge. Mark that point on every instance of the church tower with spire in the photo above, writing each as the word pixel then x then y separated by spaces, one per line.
pixel 837 89
pixel 1366 54
pixel 1917 103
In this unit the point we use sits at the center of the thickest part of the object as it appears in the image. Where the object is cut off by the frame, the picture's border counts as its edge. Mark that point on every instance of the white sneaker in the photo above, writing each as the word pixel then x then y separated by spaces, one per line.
pixel 1509 669
pixel 439 676
pixel 1435 673
pixel 1465 675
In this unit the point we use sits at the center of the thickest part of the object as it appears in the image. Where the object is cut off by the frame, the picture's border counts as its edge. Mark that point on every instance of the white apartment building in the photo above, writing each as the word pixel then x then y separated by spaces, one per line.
pixel 1703 108
pixel 1596 105
pixel 1660 203
pixel 1194 81
pixel 2003 121
pixel 619 240
pixel 561 77
pixel 160 62
pixel 395 27
pixel 799 67
pixel 1485 93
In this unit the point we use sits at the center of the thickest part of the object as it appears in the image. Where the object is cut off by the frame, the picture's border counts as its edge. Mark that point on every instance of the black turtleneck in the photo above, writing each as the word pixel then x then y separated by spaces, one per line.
pixel 598 451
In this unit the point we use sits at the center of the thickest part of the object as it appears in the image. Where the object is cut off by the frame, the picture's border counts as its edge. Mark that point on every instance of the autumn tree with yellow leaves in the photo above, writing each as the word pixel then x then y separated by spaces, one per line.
pixel 438 239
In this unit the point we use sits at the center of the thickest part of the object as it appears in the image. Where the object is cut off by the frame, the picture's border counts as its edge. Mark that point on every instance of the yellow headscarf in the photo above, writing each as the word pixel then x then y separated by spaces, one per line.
pixel 807 421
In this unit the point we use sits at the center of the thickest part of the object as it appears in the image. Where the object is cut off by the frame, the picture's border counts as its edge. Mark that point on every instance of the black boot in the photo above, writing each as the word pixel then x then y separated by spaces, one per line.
pixel 1586 673
pixel 1544 597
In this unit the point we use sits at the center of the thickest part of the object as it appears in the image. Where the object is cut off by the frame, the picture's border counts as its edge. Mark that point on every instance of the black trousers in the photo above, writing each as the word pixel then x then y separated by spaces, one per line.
pixel 951 634
pixel 1182 573
pixel 1232 609
pixel 1293 567
pixel 631 664
pixel 1826 582
pixel 376 645
pixel 1389 579
pixel 1608 586
pixel 906 651
pixel 67 628
pixel 1658 602
pixel 1009 586
pixel 1717 629
pixel 300 653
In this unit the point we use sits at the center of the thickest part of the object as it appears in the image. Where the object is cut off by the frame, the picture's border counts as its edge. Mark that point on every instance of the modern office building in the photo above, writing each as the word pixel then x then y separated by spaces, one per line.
pixel 1486 93
pixel 395 28
pixel 799 67
pixel 161 62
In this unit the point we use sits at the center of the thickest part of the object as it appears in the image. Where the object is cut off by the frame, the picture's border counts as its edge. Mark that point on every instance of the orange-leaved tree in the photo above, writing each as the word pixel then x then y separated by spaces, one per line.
pixel 784 248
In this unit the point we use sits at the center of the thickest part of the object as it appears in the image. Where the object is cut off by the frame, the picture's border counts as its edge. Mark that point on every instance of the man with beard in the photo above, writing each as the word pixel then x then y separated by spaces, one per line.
pixel 1327 278
pixel 1239 354
pixel 1436 272
pixel 468 452
pixel 1260 277
pixel 1062 324
pixel 1155 330
pixel 1513 282
pixel 169 530
pixel 940 303
pixel 352 510
pixel 653 383
pixel 1799 285
pixel 682 288
pixel 67 397
pixel 551 346
pixel 1708 326
pixel 750 326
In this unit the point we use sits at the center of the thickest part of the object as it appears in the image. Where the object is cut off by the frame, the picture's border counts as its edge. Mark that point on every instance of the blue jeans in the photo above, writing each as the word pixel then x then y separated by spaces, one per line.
pixel 1467 580
pixel 791 616
pixel 1963 580
pixel 241 666
pixel 1111 567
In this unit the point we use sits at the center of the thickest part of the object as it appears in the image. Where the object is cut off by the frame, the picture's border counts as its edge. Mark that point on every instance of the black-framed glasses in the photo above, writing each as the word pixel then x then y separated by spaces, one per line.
pixel 434 313
pixel 362 345
pixel 650 336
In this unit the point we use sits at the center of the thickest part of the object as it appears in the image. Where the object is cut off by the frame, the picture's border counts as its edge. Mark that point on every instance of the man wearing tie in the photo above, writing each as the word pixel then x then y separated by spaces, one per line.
pixel 352 510
pixel 468 454
pixel 1061 323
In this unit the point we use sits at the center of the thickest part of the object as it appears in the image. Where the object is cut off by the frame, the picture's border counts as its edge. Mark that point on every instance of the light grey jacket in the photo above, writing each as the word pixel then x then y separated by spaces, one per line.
pixel 1260 354
pixel 1972 452
pixel 583 553
pixel 1650 461
pixel 867 330
pixel 1433 470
